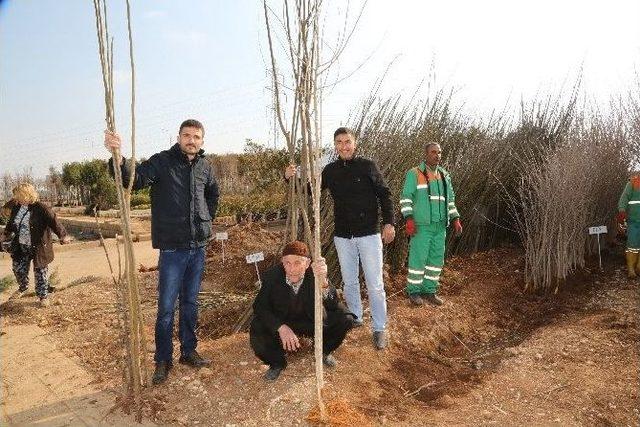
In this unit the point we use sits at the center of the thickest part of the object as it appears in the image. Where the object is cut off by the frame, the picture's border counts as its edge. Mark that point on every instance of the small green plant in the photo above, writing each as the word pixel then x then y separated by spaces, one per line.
pixel 139 199
pixel 256 204
pixel 140 207
pixel 54 278
pixel 82 280
pixel 7 282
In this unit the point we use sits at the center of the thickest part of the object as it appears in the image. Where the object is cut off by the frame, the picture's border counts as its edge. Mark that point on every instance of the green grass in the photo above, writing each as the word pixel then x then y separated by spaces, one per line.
pixel 54 278
pixel 6 282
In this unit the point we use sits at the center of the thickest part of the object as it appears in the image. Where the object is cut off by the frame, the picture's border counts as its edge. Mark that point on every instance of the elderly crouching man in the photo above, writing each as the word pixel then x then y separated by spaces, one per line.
pixel 284 310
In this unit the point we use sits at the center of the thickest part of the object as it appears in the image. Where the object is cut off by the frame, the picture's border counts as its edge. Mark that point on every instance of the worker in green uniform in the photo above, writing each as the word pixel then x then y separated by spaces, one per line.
pixel 428 206
pixel 629 210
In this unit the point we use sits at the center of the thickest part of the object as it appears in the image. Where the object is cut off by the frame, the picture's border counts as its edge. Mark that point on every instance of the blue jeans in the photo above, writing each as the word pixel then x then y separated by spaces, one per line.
pixel 367 251
pixel 179 278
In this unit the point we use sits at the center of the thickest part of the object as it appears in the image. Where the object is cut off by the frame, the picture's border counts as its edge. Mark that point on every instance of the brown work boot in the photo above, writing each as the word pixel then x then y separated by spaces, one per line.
pixel 433 299
pixel 416 299
pixel 161 373
pixel 329 361
pixel 195 360
pixel 632 260
pixel 273 373
pixel 356 323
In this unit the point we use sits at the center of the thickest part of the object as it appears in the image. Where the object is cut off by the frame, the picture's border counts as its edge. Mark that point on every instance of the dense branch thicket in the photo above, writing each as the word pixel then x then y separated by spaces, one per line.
pixel 539 179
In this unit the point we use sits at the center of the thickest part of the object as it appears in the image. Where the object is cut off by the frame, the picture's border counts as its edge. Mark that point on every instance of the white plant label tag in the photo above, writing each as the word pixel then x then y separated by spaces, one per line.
pixel 222 236
pixel 598 230
pixel 258 256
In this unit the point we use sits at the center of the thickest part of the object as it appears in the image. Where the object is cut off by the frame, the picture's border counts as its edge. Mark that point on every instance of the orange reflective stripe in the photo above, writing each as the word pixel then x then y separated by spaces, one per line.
pixel 422 179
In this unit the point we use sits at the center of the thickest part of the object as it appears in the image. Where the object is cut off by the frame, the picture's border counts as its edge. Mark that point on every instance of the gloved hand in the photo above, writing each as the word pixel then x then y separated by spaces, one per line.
pixel 410 228
pixel 622 215
pixel 457 226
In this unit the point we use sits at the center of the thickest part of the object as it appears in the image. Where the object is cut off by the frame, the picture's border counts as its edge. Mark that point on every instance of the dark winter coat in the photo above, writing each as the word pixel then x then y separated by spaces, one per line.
pixel 41 222
pixel 357 188
pixel 184 197
pixel 271 306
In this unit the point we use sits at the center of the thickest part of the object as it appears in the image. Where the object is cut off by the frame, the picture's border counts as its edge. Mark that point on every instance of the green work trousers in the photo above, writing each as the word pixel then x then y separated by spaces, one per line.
pixel 633 237
pixel 426 258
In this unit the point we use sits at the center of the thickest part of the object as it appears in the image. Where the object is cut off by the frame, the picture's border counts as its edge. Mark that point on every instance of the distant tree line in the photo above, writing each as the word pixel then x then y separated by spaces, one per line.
pixel 246 181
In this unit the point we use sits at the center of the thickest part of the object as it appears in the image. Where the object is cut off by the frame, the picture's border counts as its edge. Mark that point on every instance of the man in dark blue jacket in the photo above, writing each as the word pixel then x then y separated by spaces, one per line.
pixel 184 199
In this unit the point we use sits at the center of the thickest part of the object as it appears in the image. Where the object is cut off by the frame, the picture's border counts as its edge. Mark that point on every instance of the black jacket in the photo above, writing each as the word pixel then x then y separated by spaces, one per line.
pixel 271 306
pixel 357 188
pixel 184 197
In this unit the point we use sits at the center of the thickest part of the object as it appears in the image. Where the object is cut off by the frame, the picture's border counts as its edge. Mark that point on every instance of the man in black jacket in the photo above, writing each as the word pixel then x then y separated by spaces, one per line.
pixel 358 189
pixel 284 310
pixel 184 199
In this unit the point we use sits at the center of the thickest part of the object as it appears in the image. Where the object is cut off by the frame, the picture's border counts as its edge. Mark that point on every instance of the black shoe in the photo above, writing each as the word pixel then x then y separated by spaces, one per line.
pixel 433 299
pixel 195 360
pixel 273 373
pixel 379 340
pixel 161 372
pixel 416 299
pixel 329 361
pixel 355 323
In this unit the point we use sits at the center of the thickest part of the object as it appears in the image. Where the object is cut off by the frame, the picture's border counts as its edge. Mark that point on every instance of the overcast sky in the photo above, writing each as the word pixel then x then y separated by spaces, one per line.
pixel 206 60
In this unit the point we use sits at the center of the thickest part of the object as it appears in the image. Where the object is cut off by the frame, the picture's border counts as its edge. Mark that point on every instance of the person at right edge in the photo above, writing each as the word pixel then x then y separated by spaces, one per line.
pixel 428 206
pixel 629 210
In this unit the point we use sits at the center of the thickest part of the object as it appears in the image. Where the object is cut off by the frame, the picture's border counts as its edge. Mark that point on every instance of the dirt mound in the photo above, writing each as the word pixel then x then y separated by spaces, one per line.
pixel 232 273
pixel 245 239
pixel 339 413
pixel 439 356
pixel 230 284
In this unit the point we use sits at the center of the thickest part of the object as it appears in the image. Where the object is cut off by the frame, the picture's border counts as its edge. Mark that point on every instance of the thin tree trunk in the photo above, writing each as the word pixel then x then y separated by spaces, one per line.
pixel 129 290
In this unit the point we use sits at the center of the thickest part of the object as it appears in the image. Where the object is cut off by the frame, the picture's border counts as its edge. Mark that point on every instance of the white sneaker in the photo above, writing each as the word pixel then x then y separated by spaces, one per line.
pixel 17 294
pixel 44 302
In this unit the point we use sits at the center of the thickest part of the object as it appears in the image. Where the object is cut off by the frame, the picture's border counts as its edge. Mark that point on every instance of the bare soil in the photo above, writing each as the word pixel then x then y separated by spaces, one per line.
pixel 491 354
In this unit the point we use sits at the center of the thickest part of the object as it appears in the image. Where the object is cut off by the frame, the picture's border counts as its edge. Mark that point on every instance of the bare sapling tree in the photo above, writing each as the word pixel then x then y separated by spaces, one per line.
pixel 127 283
pixel 301 41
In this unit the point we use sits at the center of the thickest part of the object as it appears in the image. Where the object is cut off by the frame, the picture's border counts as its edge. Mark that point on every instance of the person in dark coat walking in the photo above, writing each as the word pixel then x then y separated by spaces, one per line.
pixel 28 238
pixel 284 311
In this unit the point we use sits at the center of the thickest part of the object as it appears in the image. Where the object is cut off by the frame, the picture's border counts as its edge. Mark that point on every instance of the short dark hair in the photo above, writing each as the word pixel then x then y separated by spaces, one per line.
pixel 191 123
pixel 342 131
pixel 429 144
